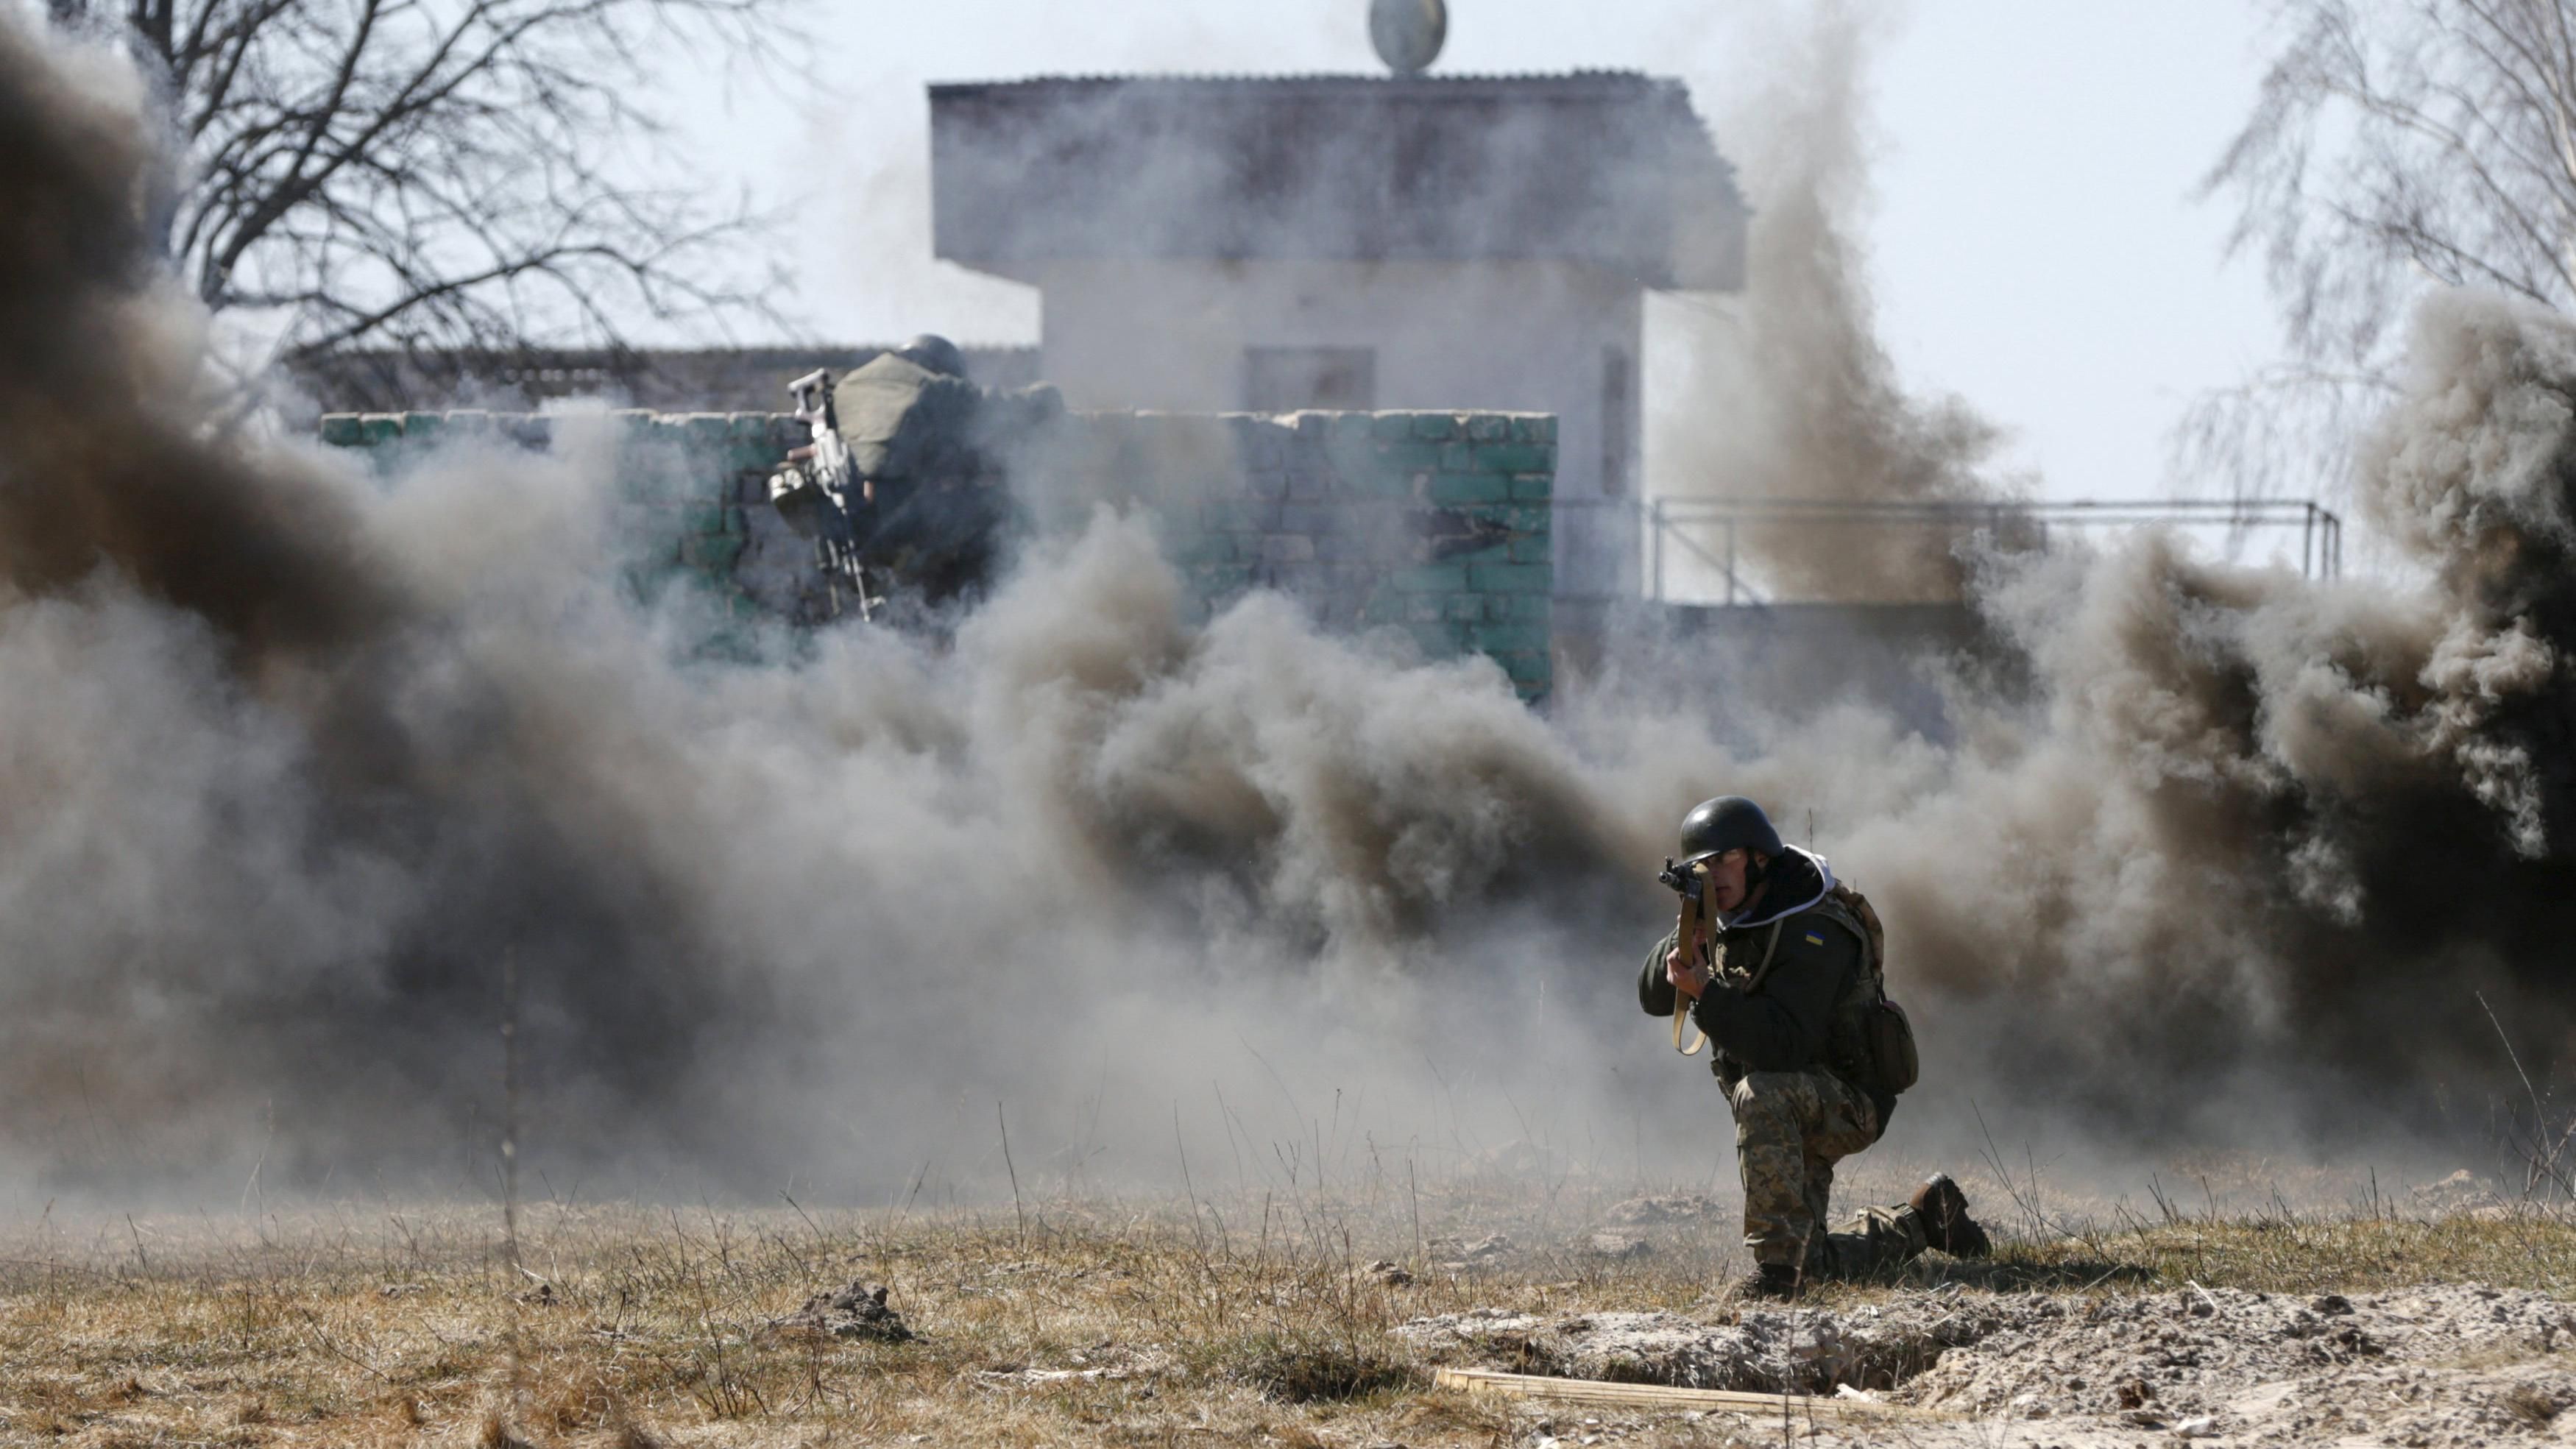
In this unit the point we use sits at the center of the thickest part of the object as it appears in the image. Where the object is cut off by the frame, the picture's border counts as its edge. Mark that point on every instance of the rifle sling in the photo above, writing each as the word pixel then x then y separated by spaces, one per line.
pixel 1687 938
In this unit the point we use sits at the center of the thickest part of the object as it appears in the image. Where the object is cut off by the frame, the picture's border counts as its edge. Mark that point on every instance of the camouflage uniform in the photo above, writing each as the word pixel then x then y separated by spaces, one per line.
pixel 936 451
pixel 1790 1129
pixel 1784 1054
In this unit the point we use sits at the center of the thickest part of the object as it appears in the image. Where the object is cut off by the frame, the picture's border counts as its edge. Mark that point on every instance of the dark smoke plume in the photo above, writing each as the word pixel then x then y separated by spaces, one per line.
pixel 294 761
pixel 265 800
pixel 298 763
pixel 98 382
pixel 2252 840
pixel 2265 843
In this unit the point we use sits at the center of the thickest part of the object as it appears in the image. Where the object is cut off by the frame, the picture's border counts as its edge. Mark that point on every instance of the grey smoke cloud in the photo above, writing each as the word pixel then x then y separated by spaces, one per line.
pixel 312 757
pixel 2256 824
pixel 1793 395
pixel 294 760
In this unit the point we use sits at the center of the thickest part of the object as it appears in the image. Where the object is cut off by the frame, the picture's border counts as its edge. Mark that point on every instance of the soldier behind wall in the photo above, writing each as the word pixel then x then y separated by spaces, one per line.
pixel 932 511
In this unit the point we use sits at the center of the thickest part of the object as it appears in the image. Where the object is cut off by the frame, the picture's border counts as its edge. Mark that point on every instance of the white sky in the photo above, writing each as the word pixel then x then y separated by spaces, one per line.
pixel 2035 247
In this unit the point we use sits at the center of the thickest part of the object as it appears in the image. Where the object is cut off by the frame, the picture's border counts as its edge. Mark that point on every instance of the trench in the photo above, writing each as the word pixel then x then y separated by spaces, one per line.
pixel 1764 1352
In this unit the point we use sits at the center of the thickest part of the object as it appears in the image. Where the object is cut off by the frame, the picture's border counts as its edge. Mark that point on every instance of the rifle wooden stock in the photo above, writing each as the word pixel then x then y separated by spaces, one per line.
pixel 1686 939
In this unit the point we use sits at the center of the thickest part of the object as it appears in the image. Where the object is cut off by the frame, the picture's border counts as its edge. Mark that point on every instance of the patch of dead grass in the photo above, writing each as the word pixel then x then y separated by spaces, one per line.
pixel 1303 1371
pixel 2280 1253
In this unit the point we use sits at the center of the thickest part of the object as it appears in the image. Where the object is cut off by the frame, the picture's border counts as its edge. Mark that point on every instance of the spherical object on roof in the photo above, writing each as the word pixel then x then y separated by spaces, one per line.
pixel 1408 33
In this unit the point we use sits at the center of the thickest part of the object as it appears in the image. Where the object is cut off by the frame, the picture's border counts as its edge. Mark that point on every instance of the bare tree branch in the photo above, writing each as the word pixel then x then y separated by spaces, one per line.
pixel 2395 145
pixel 445 174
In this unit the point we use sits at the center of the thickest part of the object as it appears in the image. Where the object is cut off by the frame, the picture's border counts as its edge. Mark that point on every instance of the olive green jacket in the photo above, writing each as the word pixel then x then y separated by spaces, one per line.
pixel 1785 1022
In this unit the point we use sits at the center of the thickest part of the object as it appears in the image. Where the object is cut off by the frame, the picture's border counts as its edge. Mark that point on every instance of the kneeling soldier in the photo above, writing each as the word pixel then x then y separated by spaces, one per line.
pixel 1782 974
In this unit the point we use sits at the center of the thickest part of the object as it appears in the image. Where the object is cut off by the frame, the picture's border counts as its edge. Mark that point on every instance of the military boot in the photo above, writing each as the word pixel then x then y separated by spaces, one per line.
pixel 1775 1281
pixel 1946 1224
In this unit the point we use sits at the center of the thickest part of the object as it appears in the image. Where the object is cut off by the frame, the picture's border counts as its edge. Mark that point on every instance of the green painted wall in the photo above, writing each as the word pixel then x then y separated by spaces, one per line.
pixel 1433 523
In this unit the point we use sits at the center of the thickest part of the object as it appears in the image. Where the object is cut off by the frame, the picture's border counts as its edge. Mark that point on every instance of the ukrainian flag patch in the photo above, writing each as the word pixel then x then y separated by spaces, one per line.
pixel 1814 940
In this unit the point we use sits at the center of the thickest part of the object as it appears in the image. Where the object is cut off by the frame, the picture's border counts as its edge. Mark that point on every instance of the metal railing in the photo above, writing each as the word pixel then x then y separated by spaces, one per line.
pixel 1709 530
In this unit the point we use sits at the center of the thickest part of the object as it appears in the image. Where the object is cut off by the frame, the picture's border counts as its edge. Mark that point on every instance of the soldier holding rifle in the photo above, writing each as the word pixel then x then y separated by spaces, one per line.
pixel 1781 967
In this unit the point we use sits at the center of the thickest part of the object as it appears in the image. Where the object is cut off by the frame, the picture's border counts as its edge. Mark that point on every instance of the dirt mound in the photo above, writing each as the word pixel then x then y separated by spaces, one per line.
pixel 2434 1366
pixel 857 1310
pixel 1456 1255
pixel 2425 1366
pixel 1659 1208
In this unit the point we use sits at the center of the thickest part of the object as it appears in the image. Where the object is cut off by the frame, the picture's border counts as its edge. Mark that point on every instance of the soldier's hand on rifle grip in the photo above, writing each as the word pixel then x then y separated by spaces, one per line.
pixel 1683 968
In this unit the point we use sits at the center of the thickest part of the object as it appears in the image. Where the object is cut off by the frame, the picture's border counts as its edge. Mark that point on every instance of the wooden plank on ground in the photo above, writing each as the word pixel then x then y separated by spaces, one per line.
pixel 1659 1396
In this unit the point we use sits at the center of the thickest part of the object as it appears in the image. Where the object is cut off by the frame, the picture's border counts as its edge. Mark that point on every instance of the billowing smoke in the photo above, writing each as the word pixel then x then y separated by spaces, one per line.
pixel 299 766
pixel 2258 824
pixel 98 376
pixel 2249 842
pixel 1793 395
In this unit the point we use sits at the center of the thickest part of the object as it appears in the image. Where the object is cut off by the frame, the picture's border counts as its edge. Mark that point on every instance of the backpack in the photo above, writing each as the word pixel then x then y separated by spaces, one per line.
pixel 1871 1042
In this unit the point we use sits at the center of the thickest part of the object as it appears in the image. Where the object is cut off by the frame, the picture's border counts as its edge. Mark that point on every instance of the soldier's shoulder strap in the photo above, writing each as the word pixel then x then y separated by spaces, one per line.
pixel 1852 911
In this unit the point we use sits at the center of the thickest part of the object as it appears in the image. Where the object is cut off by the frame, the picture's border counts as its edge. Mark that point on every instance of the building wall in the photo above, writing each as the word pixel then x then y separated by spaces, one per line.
pixel 1509 336
pixel 1434 524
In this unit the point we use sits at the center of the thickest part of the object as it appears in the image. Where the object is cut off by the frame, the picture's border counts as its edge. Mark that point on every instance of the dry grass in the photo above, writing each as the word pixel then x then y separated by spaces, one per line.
pixel 2284 1253
pixel 1101 1323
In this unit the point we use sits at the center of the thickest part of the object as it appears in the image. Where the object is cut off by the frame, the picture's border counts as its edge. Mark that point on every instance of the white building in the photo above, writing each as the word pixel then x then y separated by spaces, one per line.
pixel 1353 242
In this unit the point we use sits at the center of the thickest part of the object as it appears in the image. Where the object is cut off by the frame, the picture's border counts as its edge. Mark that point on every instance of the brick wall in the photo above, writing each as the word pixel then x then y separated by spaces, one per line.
pixel 1435 524
pixel 691 489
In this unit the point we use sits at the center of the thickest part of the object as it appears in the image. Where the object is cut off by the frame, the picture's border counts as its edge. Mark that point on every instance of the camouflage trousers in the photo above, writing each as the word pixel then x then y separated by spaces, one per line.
pixel 1790 1130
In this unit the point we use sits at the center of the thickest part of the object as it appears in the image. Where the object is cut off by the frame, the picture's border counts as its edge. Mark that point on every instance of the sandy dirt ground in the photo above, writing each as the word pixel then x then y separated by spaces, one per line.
pixel 2435 1366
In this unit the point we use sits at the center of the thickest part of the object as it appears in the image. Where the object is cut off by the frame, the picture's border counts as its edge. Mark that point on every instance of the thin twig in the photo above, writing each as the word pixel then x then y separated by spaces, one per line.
pixel 1017 1212
pixel 510 1168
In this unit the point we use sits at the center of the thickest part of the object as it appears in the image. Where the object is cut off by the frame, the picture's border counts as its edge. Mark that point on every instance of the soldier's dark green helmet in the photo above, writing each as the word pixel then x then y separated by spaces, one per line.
pixel 1723 824
pixel 934 352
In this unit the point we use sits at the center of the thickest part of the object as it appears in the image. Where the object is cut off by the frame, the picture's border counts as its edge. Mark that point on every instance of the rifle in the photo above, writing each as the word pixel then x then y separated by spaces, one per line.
pixel 812 493
pixel 1690 882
